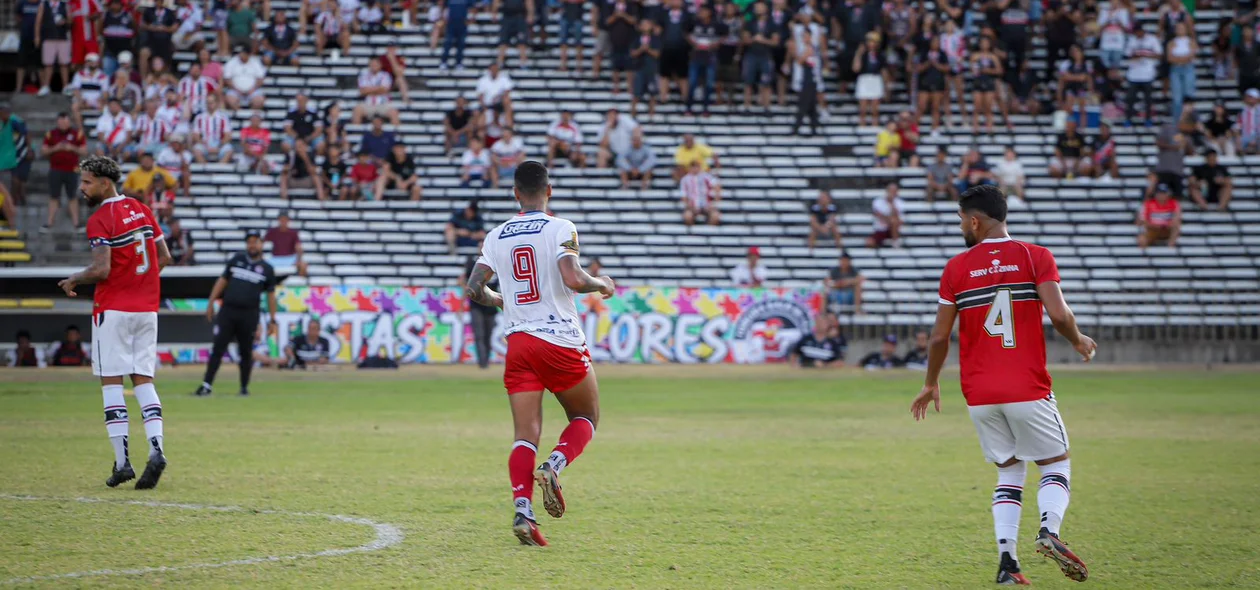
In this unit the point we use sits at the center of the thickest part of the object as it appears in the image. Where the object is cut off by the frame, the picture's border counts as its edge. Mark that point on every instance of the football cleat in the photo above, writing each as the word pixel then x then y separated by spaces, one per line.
pixel 547 479
pixel 244 392
pixel 527 531
pixel 118 476
pixel 1008 573
pixel 152 472
pixel 1049 545
pixel 202 391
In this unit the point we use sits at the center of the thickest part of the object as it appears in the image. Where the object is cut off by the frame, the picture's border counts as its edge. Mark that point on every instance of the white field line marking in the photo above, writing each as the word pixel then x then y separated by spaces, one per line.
pixel 387 535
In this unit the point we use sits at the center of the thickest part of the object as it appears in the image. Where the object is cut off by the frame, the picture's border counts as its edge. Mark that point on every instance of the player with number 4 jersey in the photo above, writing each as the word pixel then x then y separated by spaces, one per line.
pixel 997 290
pixel 128 252
pixel 535 256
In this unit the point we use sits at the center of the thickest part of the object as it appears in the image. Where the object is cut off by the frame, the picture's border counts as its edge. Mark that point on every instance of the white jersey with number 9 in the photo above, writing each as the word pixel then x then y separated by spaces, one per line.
pixel 524 252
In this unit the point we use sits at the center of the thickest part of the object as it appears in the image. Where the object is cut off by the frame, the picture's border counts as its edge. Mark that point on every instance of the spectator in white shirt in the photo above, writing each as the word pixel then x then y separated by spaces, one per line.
pixel 751 272
pixel 371 19
pixel 507 154
pixel 375 86
pixel 1144 52
pixel 494 90
pixel 90 86
pixel 888 211
pixel 212 134
pixel 113 131
pixel 190 16
pixel 243 77
pixel 614 137
pixel 1009 172
pixel 476 167
pixel 564 139
pixel 176 159
pixel 700 192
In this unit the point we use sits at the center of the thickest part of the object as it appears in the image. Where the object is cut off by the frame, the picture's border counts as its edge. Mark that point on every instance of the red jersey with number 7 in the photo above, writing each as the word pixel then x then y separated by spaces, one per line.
pixel 129 230
pixel 1002 344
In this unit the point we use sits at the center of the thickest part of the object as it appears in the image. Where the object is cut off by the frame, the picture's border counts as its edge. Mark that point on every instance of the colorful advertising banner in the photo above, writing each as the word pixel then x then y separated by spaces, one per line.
pixel 639 325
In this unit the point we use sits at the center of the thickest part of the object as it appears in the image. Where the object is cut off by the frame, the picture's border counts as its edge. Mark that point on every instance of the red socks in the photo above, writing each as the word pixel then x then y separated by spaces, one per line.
pixel 573 441
pixel 521 473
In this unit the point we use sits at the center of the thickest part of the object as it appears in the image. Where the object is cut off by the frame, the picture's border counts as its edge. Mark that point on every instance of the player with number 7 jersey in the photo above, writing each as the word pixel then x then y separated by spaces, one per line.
pixel 535 256
pixel 996 291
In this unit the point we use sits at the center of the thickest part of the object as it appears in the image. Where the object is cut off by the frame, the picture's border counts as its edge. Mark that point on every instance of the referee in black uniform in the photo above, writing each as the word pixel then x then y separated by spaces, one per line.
pixel 243 282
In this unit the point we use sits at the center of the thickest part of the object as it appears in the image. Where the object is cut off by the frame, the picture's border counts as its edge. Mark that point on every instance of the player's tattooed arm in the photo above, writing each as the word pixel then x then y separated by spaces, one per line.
pixel 579 281
pixel 477 290
pixel 164 255
pixel 94 273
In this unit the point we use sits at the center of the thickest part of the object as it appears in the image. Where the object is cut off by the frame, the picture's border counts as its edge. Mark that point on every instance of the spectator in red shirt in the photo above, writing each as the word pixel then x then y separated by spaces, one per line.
pixel 1160 220
pixel 363 177
pixel 255 141
pixel 908 131
pixel 286 246
pixel 64 145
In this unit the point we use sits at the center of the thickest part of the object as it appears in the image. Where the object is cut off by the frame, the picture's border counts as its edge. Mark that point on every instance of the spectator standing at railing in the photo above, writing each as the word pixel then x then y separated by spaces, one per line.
pixel 702 70
pixel 481 316
pixel 52 36
pixel 157 30
pixel 1144 52
pixel 621 26
pixel 118 34
pixel 456 25
pixel 63 146
pixel 571 14
pixel 761 38
pixel 514 17
pixel 750 272
pixel 1181 52
pixel 674 25
pixel 89 85
pixel 29 55
pixel 1115 23
pixel 645 53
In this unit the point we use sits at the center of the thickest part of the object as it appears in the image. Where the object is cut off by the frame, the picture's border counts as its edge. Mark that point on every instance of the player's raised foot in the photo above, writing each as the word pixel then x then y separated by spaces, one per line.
pixel 202 391
pixel 152 472
pixel 1049 545
pixel 120 475
pixel 527 531
pixel 549 482
pixel 1008 573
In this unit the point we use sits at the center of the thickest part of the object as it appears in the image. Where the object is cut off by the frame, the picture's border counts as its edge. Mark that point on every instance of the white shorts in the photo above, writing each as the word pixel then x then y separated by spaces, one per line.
pixel 1028 431
pixel 124 343
pixel 869 87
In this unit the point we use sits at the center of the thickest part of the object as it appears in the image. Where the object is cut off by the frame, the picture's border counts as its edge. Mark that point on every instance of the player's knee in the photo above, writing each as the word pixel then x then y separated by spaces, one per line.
pixel 1009 463
pixel 1043 462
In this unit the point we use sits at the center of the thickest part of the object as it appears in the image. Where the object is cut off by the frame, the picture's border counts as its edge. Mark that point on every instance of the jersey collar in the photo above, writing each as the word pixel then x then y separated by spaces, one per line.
pixel 996 240
pixel 113 199
pixel 525 213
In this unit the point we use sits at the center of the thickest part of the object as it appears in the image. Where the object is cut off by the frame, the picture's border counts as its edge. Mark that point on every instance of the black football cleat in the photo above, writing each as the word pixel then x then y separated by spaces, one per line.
pixel 152 472
pixel 244 392
pixel 1049 545
pixel 549 482
pixel 1008 573
pixel 118 476
pixel 202 391
pixel 527 531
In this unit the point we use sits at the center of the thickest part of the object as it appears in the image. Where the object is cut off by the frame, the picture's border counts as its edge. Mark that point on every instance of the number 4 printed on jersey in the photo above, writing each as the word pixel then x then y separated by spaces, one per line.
pixel 1000 321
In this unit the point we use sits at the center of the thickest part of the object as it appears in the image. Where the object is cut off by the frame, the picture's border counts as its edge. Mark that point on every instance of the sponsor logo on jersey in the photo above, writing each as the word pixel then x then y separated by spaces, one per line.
pixel 995 267
pixel 135 216
pixel 520 228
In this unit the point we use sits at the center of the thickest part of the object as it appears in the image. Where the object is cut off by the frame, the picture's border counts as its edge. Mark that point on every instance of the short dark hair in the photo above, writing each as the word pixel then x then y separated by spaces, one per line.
pixel 531 179
pixel 101 167
pixel 72 327
pixel 22 334
pixel 987 199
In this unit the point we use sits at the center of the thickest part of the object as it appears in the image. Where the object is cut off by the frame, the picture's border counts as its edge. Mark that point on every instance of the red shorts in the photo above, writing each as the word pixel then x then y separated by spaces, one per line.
pixel 533 364
pixel 80 47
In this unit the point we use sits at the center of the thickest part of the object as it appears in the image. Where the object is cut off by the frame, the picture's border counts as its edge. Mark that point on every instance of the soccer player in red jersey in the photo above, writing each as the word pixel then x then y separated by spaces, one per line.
pixel 128 252
pixel 997 289
pixel 536 258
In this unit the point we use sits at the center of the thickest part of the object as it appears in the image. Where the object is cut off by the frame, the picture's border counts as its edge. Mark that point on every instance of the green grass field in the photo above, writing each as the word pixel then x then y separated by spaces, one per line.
pixel 727 478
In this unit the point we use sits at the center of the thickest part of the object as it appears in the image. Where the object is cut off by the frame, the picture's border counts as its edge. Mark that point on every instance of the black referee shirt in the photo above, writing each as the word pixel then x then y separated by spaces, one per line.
pixel 813 350
pixel 247 281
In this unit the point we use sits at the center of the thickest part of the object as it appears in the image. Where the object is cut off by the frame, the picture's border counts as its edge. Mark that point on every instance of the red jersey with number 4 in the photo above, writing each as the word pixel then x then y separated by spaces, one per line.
pixel 129 230
pixel 1002 345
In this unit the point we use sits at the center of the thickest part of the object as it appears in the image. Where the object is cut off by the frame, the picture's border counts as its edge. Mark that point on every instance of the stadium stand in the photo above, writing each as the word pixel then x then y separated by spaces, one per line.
pixel 769 177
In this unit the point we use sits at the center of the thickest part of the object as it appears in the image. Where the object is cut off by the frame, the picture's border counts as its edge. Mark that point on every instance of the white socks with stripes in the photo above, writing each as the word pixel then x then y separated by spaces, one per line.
pixel 1053 494
pixel 116 422
pixel 151 411
pixel 1007 505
